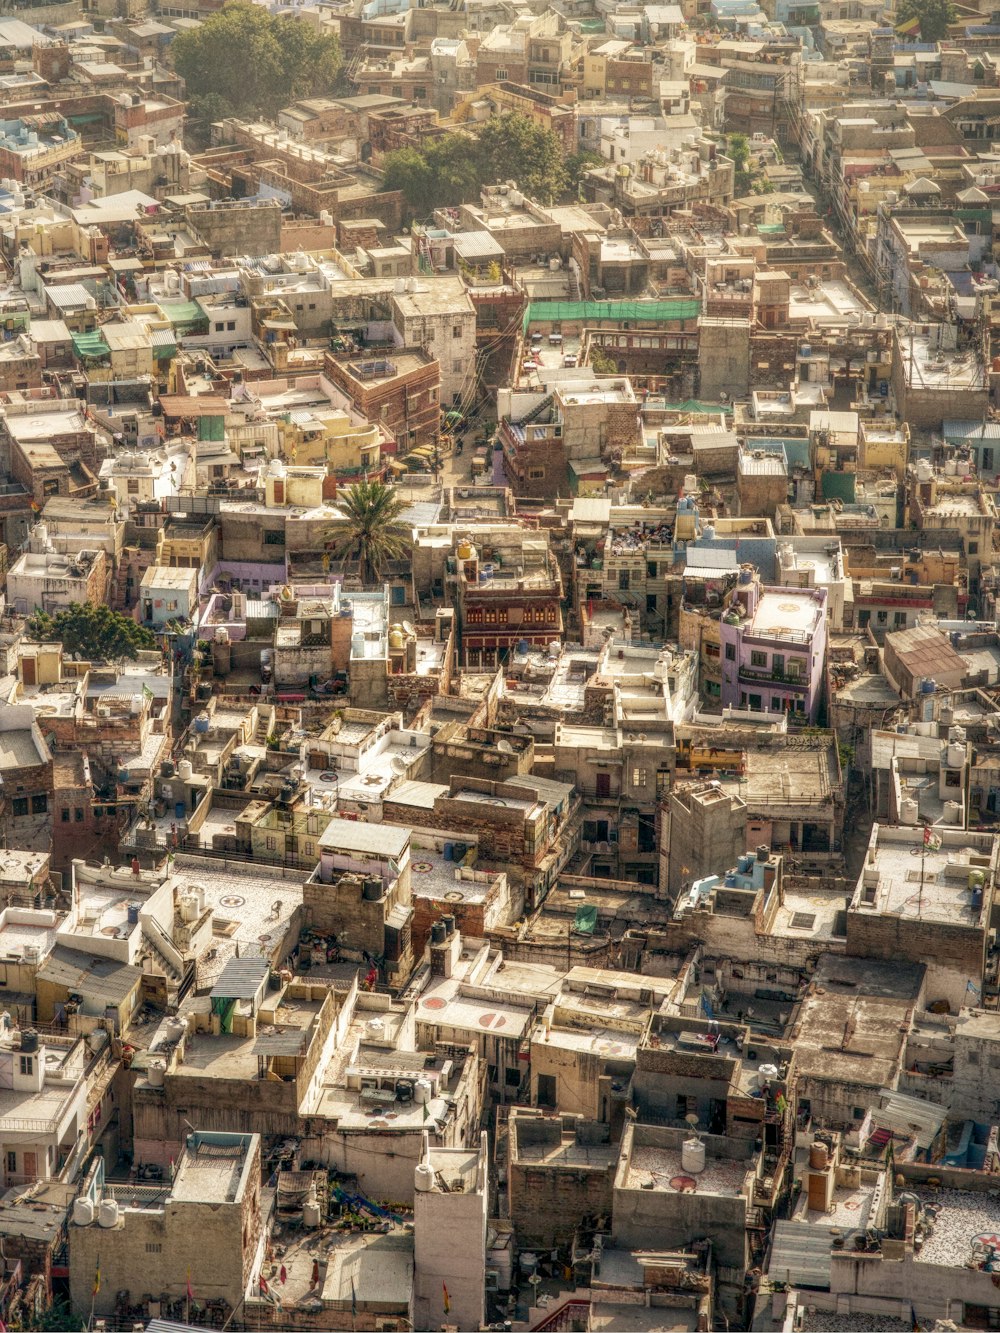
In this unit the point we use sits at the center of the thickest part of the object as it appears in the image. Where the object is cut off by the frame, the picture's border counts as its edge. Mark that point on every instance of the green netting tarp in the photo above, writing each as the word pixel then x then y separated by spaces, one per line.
pixel 90 344
pixel 693 405
pixel 655 312
pixel 585 920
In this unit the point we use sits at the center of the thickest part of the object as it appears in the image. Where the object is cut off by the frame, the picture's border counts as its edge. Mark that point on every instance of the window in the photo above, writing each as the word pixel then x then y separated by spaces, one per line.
pixel 12 1161
pixel 19 805
pixel 858 1112
pixel 27 1064
pixel 899 620
pixel 271 844
pixel 730 652
pixel 153 1247
pixel 754 700
pixel 711 650
pixel 274 538
pixel 638 777
pixel 536 473
pixel 758 659
pixel 456 330
pixel 623 580
pixel 501 77
pixel 882 617
pixel 231 326
pixel 651 569
pixel 456 367
pixel 778 664
pixel 776 703
pixel 133 485
pixel 65 814
pixel 78 815
pixel 973 548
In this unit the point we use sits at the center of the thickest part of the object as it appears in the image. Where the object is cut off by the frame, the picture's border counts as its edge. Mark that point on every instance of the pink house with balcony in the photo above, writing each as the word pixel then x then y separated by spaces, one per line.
pixel 773 648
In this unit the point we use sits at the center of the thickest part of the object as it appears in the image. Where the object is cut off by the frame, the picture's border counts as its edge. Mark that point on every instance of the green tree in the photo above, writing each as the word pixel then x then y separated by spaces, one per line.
pixel 242 61
pixel 512 147
pixel 95 632
pixel 576 165
pixel 372 534
pixel 934 16
pixel 443 172
pixel 739 150
pixel 601 363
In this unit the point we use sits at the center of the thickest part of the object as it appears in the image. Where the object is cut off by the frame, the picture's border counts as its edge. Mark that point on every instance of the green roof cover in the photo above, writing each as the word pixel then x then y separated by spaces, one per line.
pixel 656 312
pixel 90 345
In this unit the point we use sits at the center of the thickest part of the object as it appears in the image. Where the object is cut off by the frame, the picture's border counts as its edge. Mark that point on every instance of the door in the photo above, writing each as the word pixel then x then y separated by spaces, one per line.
pixel 28 670
pixel 603 785
pixel 30 1165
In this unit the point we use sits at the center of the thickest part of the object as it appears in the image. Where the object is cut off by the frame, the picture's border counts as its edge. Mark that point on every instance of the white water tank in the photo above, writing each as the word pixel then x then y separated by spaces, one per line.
pixel 908 810
pixel 189 907
pixel 692 1156
pixel 953 812
pixel 423 1177
pixel 108 1214
pixel 924 469
pixel 422 1091
pixel 156 1073
pixel 83 1212
pixel 956 754
pixel 311 1216
pixel 950 467
pixel 185 770
pixel 97 1040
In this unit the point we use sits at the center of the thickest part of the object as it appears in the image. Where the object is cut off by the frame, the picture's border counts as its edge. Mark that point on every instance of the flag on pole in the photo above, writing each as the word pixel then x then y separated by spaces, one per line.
pixel 97 1277
pixel 190 1293
pixel 447 1298
pixel 931 840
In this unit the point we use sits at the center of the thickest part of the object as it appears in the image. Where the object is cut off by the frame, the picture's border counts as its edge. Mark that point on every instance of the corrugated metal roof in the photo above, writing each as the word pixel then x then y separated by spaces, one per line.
pixel 99 979
pixel 380 840
pixel 909 1115
pixel 476 245
pixel 800 1255
pixel 971 430
pixel 275 1041
pixel 241 979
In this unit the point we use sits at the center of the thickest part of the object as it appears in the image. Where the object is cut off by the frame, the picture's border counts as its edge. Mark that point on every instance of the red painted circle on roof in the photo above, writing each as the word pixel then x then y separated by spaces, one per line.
pixel 435 1002
pixel 421 867
pixel 492 1020
pixel 683 1184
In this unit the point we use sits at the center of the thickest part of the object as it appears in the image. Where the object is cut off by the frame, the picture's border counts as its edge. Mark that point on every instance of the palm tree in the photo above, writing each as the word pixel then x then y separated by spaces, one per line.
pixel 372 534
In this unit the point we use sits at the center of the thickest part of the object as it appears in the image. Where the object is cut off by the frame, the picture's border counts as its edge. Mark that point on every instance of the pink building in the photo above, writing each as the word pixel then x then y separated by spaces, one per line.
pixel 773 649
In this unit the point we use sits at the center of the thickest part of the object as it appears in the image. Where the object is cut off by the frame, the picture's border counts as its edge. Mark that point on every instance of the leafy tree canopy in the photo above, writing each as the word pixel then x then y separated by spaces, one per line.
pixel 934 17
pixel 453 168
pixel 243 61
pixel 95 632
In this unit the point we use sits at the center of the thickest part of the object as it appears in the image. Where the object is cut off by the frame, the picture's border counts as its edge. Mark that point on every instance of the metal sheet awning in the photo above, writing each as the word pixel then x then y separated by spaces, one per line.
pixel 241 979
pixel 278 1041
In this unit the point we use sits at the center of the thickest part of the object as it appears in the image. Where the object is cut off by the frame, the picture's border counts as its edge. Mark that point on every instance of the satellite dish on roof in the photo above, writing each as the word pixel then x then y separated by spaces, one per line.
pixel 505 747
pixel 398 764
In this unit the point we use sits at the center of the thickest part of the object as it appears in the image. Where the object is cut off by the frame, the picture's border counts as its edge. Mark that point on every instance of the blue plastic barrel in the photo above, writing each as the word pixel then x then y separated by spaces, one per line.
pixel 180 809
pixel 449 851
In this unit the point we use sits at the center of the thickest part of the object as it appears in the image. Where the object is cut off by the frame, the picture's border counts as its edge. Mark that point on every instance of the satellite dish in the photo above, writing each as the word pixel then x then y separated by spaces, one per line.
pixel 505 747
pixel 398 765
pixel 409 630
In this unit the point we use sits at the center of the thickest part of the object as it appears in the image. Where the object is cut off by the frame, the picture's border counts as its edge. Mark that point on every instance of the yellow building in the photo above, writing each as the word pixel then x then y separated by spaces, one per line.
pixel 317 436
